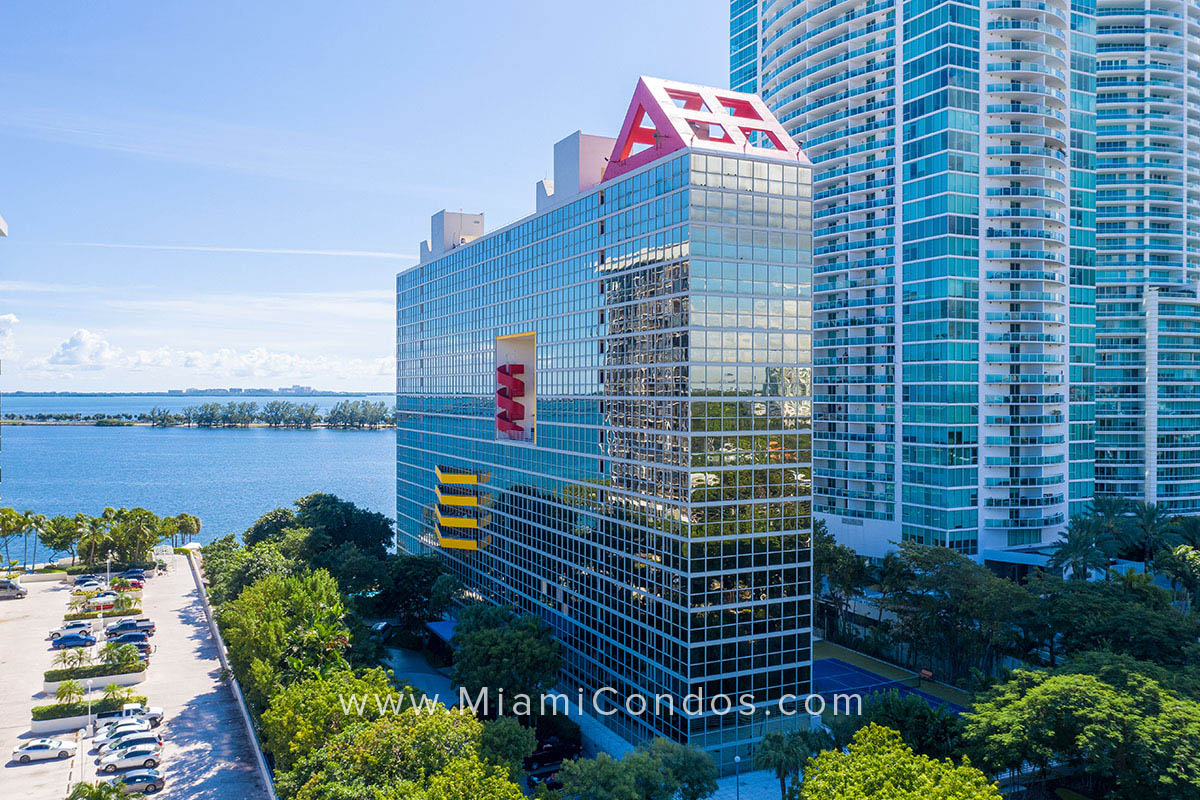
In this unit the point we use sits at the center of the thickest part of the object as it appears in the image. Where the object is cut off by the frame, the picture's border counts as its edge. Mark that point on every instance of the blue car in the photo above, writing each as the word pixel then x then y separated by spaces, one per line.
pixel 73 640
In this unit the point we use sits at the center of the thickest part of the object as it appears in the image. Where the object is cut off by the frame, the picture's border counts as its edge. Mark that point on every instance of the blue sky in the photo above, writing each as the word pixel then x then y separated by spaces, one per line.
pixel 220 193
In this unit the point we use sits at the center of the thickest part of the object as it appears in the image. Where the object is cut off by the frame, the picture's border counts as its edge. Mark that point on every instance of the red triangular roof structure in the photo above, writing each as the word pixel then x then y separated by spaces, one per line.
pixel 665 116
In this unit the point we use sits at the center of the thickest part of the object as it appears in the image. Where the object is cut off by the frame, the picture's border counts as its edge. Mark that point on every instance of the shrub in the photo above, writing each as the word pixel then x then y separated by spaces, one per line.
pixel 115 567
pixel 93 671
pixel 129 612
pixel 60 710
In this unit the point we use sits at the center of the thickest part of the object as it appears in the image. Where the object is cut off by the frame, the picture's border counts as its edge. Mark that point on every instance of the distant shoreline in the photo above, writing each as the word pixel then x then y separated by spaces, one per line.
pixel 88 423
pixel 201 393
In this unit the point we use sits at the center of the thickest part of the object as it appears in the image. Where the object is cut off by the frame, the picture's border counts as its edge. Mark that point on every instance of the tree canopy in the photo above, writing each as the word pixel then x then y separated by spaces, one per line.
pixel 878 765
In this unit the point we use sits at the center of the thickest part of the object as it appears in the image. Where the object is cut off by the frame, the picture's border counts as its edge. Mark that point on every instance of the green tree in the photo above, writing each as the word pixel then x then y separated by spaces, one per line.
pixel 784 754
pixel 1183 567
pixel 518 657
pixel 395 757
pixel 694 770
pixel 878 765
pixel 470 779
pixel 507 743
pixel 304 715
pixel 1083 549
pixel 342 521
pixel 1149 529
pixel 69 691
pixel 61 534
pixel 1135 740
pixel 843 571
pixel 10 528
pixel 599 778
pixel 116 692
pixel 101 791
pixel 406 588
pixel 934 732
pixel 955 611
pixel 119 655
pixel 284 623
pixel 270 525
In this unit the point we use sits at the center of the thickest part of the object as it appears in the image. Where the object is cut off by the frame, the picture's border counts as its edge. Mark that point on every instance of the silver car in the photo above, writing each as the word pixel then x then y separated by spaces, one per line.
pixel 145 781
pixel 42 749
pixel 147 756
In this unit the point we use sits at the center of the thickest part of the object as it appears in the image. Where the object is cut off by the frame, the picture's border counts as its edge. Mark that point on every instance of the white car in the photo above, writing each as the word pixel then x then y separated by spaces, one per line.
pixel 42 749
pixel 74 626
pixel 84 588
pixel 142 756
pixel 131 739
pixel 118 730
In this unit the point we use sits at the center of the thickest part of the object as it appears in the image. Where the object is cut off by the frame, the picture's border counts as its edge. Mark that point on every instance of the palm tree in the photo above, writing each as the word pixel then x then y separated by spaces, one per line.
pixel 1188 530
pixel 189 527
pixel 116 692
pixel 1111 511
pixel 31 522
pixel 99 791
pixel 1183 566
pixel 122 655
pixel 96 536
pixel 69 691
pixel 10 527
pixel 1150 529
pixel 1083 549
pixel 782 755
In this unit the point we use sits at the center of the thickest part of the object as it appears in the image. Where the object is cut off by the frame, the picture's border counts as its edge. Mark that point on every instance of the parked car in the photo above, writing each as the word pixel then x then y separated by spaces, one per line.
pixel 86 578
pixel 130 625
pixel 133 573
pixel 90 586
pixel 132 637
pixel 145 756
pixel 11 590
pixel 128 584
pixel 74 626
pixel 130 711
pixel 546 776
pixel 42 749
pixel 131 738
pixel 143 781
pixel 73 640
pixel 117 730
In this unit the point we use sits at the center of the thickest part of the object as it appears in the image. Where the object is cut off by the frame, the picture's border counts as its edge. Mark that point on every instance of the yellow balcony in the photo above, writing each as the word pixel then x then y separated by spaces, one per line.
pixel 452 496
pixel 455 476
pixel 457 544
pixel 455 518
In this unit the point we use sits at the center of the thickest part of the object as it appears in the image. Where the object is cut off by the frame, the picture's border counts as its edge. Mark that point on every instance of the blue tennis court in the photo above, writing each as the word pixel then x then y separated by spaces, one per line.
pixel 833 676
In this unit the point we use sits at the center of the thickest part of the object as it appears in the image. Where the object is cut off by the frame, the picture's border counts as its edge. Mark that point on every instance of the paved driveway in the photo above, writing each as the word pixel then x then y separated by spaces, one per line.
pixel 207 754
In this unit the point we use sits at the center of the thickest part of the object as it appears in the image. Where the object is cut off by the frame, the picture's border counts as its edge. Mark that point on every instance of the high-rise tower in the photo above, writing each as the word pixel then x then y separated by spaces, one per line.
pixel 1148 266
pixel 953 146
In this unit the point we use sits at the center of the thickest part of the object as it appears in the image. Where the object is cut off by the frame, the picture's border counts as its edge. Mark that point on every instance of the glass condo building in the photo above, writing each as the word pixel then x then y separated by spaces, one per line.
pixel 954 258
pixel 605 412
pixel 1148 262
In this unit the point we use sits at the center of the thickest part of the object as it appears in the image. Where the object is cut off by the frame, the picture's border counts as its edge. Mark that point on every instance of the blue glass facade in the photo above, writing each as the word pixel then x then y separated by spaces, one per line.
pixel 954 144
pixel 660 519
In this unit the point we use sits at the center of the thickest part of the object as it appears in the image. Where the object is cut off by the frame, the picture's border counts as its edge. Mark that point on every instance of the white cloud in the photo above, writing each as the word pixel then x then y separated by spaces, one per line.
pixel 8 345
pixel 89 351
pixel 84 350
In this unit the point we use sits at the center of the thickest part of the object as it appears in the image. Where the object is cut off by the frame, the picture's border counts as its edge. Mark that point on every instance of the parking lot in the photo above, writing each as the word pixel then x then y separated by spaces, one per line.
pixel 206 751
